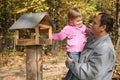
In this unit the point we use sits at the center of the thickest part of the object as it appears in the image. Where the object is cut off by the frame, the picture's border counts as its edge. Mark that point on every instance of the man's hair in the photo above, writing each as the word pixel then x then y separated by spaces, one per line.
pixel 107 19
pixel 74 13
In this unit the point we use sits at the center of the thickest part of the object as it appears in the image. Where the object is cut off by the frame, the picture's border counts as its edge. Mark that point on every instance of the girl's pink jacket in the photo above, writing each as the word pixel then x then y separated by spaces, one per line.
pixel 76 37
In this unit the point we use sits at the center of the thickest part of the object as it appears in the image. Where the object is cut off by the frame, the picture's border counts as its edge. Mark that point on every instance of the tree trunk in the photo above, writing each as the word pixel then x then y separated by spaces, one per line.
pixel 118 41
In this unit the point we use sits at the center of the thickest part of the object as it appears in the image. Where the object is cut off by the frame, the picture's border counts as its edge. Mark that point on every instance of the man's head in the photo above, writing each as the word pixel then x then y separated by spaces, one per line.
pixel 107 20
pixel 102 24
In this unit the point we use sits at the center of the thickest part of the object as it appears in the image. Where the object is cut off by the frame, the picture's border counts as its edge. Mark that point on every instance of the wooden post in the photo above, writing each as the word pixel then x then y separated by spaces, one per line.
pixel 37 35
pixel 50 34
pixel 16 35
pixel 34 63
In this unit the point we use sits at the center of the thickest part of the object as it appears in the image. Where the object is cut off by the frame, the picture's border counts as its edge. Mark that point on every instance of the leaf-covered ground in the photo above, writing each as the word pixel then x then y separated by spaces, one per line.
pixel 117 68
pixel 13 67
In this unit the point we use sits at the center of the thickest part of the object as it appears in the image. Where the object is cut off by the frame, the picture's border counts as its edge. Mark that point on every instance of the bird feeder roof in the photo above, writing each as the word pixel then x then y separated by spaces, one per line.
pixel 30 21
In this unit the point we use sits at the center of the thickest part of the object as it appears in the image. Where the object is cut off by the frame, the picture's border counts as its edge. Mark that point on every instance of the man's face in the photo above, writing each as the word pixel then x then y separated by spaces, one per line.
pixel 95 26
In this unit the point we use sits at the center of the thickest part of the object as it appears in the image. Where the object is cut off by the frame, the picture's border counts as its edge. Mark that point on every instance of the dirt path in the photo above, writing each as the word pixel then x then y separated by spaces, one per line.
pixel 16 68
pixel 49 70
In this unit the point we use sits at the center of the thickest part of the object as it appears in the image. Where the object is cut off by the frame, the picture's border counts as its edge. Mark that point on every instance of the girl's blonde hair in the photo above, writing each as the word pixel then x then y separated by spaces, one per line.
pixel 74 13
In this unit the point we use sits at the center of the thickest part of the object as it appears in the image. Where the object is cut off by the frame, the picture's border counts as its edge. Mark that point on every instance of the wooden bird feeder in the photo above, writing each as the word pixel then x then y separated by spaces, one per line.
pixel 38 28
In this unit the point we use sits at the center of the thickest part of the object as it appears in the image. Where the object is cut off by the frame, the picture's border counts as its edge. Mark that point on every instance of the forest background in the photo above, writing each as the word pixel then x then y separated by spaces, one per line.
pixel 11 10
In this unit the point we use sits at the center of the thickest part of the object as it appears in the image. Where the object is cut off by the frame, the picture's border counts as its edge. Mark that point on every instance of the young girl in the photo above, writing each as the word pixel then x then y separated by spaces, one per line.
pixel 75 32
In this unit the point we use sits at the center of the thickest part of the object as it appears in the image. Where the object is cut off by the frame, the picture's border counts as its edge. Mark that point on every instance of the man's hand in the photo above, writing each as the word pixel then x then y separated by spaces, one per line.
pixel 68 60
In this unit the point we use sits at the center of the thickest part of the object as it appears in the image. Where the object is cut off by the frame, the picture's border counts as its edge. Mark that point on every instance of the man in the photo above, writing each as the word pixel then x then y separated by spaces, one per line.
pixel 97 60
